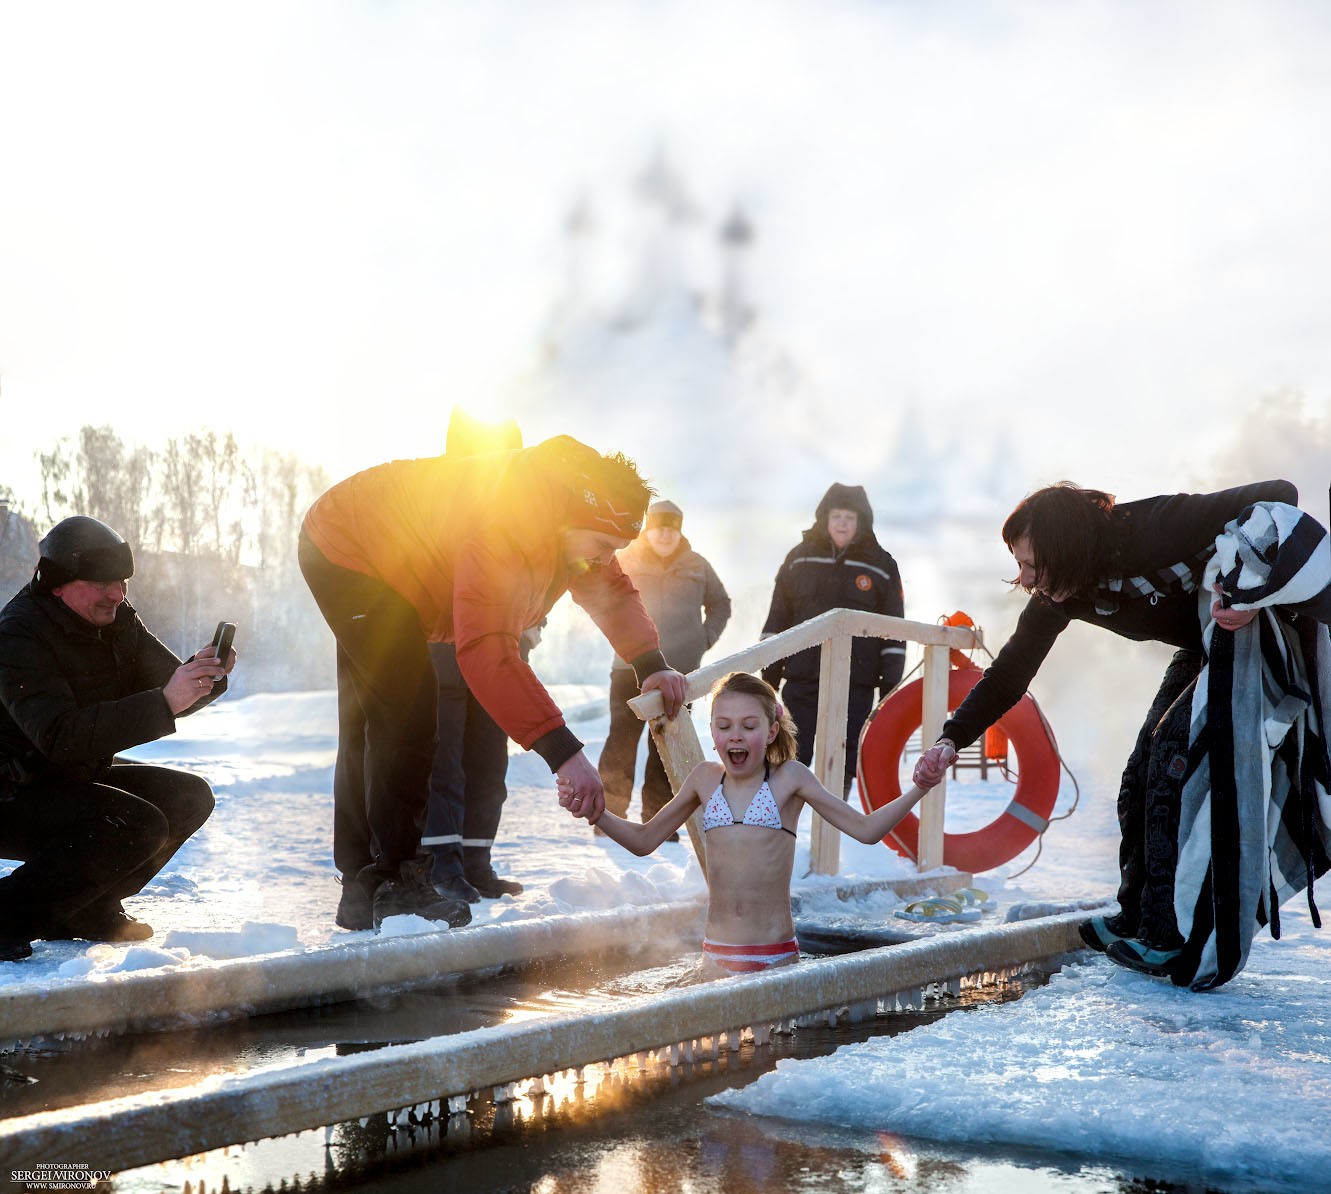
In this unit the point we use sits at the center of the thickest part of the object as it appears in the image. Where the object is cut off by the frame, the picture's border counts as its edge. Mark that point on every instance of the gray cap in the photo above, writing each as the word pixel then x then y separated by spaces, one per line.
pixel 664 514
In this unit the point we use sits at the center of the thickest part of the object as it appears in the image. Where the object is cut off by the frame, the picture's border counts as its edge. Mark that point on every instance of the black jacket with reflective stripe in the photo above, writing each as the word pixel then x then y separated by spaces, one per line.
pixel 816 577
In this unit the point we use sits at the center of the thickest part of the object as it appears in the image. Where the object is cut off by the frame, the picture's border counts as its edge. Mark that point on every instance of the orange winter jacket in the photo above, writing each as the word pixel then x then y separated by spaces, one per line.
pixel 476 544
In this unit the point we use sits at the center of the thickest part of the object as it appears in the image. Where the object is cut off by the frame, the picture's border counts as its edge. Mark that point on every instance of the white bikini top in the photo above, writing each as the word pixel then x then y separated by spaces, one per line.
pixel 761 813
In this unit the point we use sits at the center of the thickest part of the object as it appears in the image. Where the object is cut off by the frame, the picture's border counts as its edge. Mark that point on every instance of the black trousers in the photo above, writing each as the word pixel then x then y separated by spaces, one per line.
pixel 385 709
pixel 801 700
pixel 467 788
pixel 619 757
pixel 1149 800
pixel 86 845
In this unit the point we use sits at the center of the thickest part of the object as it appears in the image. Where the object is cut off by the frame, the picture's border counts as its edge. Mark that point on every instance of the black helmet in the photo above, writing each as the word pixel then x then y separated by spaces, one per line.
pixel 82 548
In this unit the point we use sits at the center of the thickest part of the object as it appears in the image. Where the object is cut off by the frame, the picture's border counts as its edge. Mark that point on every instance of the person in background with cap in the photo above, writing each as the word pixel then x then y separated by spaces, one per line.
pixel 468 550
pixel 838 564
pixel 690 607
pixel 81 678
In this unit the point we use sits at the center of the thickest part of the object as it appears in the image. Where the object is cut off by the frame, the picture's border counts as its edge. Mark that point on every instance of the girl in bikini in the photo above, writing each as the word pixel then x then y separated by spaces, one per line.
pixel 751 804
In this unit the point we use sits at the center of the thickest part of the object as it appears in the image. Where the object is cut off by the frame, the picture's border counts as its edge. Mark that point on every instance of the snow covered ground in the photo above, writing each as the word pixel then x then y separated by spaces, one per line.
pixel 1101 1063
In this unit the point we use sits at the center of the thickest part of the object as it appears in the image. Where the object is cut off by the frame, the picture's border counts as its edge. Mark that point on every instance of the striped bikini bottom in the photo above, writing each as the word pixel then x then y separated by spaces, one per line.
pixel 744 959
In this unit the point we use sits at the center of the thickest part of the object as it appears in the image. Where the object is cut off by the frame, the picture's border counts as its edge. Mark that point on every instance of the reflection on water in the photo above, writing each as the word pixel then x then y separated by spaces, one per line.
pixel 606 990
pixel 648 1131
pixel 68 1072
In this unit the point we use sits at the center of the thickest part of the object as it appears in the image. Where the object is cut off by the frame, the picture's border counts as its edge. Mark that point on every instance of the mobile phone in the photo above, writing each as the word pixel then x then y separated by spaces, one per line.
pixel 226 631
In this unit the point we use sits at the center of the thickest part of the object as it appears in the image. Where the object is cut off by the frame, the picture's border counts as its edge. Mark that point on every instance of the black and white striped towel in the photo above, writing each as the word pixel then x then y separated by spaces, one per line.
pixel 1255 825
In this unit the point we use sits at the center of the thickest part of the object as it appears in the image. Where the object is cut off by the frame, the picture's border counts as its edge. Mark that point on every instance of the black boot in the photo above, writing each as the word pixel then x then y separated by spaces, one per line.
pixel 489 885
pixel 102 922
pixel 455 887
pixel 1100 932
pixel 438 872
pixel 1143 958
pixel 481 875
pixel 410 894
pixel 16 930
pixel 354 910
pixel 14 949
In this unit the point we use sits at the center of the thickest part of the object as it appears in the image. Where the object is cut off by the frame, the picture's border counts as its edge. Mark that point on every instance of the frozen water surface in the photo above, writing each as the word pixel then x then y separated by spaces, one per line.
pixel 1103 1063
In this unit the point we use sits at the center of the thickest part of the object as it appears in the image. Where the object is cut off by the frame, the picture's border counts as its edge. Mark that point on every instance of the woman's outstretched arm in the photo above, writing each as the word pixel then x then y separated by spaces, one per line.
pixel 837 813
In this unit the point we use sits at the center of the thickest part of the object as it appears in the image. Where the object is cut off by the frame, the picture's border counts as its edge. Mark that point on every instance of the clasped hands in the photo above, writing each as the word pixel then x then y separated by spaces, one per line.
pixel 932 765
pixel 578 782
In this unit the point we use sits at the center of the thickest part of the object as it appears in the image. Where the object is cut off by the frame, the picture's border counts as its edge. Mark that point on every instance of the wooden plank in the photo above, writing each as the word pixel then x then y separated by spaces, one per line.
pixel 164 1125
pixel 339 973
pixel 677 744
pixel 904 889
pixel 934 699
pixel 810 634
pixel 829 754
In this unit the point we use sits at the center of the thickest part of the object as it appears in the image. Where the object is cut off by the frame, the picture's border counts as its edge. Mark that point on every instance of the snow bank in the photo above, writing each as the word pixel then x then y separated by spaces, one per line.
pixel 1104 1063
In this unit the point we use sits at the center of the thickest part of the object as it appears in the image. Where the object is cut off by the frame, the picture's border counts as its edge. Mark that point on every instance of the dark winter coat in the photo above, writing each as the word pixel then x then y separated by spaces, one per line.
pixel 816 577
pixel 73 695
pixel 684 597
pixel 1152 538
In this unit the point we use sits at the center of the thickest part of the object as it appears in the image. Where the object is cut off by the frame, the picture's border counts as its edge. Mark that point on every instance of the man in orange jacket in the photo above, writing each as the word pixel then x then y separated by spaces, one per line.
pixel 470 551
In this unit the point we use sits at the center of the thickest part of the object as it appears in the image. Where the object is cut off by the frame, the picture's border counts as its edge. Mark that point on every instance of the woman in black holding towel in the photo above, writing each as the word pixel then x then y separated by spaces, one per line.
pixel 1138 569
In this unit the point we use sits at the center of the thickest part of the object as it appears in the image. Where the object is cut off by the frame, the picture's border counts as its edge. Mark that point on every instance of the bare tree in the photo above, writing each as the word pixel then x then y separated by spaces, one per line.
pixel 100 478
pixel 216 534
pixel 55 467
pixel 114 484
pixel 182 492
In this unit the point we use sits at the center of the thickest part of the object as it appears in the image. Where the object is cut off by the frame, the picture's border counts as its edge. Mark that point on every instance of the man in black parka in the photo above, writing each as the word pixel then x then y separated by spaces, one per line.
pixel 80 679
pixel 839 564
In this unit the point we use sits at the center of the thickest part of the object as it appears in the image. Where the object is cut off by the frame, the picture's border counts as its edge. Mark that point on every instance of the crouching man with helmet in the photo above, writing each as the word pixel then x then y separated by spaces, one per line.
pixel 80 679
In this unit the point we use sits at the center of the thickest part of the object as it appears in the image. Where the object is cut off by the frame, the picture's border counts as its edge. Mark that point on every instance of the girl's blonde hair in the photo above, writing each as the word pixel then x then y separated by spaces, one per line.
pixel 782 748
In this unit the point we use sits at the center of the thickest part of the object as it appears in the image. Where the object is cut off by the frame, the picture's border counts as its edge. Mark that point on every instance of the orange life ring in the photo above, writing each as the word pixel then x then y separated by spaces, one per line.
pixel 884 739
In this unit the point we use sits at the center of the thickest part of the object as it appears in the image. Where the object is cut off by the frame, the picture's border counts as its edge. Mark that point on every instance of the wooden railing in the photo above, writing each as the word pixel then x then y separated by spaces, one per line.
pixel 680 751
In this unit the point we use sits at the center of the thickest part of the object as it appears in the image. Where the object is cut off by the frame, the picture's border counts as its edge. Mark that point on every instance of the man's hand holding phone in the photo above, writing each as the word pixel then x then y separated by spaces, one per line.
pixel 195 677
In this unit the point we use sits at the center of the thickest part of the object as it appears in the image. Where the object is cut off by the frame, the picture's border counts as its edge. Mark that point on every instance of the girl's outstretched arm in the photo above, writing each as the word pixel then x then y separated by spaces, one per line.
pixel 837 813
pixel 643 839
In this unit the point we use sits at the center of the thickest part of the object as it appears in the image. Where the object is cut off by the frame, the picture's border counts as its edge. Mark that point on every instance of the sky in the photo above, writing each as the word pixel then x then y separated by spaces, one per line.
pixel 1101 1067
pixel 1097 229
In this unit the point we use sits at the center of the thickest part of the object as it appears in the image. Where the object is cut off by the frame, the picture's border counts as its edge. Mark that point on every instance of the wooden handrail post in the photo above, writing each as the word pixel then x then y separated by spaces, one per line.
pixel 934 711
pixel 677 741
pixel 677 744
pixel 829 756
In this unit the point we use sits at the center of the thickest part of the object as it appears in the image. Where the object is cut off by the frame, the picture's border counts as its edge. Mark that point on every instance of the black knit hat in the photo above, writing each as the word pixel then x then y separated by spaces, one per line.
pixel 82 548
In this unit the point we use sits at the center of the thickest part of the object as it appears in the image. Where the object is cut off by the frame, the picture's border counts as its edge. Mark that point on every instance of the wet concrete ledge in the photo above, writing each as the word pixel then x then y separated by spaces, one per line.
pixel 204 991
pixel 163 1125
